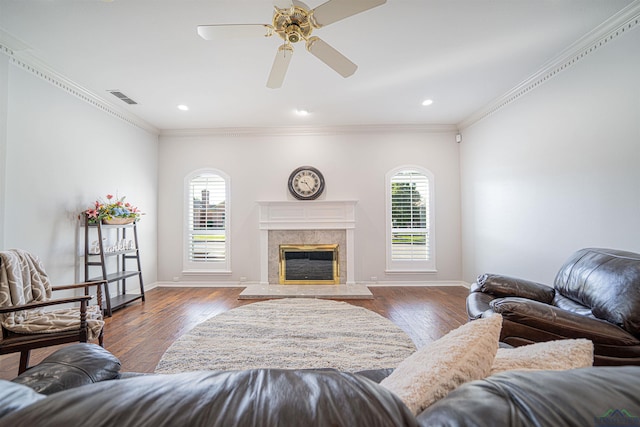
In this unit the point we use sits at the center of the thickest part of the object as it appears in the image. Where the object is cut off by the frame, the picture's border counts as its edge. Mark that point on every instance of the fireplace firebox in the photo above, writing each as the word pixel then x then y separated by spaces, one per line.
pixel 309 265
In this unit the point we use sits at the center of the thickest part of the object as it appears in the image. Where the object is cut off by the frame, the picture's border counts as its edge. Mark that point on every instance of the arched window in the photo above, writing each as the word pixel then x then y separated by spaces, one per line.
pixel 207 221
pixel 410 237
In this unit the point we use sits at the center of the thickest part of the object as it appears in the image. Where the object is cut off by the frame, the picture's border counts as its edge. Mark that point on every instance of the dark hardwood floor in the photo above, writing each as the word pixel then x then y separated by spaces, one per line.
pixel 140 333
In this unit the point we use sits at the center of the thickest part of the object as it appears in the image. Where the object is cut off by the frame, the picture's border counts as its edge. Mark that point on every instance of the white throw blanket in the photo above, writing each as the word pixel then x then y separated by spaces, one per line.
pixel 22 281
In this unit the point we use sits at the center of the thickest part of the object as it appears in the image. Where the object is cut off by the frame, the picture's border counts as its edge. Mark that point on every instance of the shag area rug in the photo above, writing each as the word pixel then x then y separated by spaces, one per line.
pixel 290 333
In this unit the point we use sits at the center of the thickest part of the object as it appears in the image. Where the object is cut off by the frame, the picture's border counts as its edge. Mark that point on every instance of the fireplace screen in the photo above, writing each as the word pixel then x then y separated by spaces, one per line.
pixel 309 265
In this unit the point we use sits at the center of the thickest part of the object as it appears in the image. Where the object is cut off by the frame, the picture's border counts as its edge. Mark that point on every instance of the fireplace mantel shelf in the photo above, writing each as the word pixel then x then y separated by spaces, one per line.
pixel 307 215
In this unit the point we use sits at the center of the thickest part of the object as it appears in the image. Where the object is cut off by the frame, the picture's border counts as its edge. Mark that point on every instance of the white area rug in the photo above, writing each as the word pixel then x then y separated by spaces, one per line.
pixel 290 333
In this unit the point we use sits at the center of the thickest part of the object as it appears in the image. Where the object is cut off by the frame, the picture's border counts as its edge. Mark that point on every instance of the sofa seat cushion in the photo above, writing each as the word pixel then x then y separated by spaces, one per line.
pixel 259 397
pixel 41 321
pixel 71 366
pixel 599 396
pixel 568 304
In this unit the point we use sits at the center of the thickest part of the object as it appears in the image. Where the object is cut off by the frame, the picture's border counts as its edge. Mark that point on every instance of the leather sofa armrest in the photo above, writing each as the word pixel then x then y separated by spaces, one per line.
pixel 376 375
pixel 479 305
pixel 506 286
pixel 559 322
pixel 71 366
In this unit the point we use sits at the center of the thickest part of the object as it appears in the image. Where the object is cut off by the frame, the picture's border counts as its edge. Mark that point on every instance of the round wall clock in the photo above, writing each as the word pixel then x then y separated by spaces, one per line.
pixel 306 183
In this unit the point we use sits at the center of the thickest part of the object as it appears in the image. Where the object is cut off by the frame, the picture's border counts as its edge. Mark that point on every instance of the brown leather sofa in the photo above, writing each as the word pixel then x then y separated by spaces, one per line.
pixel 595 295
pixel 83 386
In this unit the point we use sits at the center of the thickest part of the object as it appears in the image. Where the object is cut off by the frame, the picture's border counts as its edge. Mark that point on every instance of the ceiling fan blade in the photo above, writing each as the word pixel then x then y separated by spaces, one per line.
pixel 280 65
pixel 234 31
pixel 283 4
pixel 335 10
pixel 334 59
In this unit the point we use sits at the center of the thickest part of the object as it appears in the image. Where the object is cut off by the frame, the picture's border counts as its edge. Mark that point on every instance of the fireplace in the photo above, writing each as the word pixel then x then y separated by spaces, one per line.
pixel 315 222
pixel 309 265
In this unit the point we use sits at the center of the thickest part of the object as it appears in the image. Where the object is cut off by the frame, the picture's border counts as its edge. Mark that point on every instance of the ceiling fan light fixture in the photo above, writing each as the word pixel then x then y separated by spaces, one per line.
pixel 292 33
pixel 427 102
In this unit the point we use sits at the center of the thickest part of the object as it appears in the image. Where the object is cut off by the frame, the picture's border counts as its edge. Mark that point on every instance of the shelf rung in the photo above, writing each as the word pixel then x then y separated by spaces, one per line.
pixel 120 275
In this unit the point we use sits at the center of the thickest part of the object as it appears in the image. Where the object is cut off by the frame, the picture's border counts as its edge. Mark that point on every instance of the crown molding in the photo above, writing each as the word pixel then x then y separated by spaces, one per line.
pixel 20 56
pixel 616 26
pixel 310 130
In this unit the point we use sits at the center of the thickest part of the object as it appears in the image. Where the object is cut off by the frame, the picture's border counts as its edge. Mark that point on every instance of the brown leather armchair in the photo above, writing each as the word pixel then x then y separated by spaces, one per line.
pixel 595 295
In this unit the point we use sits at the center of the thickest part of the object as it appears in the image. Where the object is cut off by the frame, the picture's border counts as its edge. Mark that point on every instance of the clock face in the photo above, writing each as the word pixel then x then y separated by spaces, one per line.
pixel 306 183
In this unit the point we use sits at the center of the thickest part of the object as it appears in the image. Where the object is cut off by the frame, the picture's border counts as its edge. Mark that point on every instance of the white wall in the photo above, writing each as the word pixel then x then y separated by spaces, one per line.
pixel 354 166
pixel 4 99
pixel 61 154
pixel 556 170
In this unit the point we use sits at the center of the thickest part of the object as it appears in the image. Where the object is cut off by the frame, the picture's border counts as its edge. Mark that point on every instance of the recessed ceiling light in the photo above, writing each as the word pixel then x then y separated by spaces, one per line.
pixel 302 112
pixel 427 102
pixel 183 107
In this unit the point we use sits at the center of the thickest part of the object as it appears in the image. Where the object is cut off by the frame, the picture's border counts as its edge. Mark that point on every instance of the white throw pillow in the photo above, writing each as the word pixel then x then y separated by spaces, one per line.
pixel 429 374
pixel 550 355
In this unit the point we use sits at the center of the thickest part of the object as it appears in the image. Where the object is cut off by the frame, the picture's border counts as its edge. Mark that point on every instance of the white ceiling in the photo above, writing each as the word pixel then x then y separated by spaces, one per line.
pixel 461 53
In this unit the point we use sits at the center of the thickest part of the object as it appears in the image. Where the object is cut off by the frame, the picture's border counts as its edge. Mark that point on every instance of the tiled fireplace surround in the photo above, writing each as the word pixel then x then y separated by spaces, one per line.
pixel 306 222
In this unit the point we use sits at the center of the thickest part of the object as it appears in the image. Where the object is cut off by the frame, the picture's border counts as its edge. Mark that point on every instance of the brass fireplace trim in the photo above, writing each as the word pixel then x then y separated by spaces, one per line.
pixel 310 248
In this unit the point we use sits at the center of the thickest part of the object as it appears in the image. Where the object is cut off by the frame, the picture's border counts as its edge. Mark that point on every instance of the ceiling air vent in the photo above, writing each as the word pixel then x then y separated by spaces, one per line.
pixel 122 97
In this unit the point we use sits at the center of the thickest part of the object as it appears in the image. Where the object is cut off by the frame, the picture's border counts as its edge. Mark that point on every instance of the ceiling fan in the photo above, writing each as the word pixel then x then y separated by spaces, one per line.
pixel 293 21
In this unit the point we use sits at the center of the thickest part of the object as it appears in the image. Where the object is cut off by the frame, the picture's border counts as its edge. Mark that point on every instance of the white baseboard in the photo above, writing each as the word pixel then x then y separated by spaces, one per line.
pixel 418 283
pixel 194 284
pixel 201 284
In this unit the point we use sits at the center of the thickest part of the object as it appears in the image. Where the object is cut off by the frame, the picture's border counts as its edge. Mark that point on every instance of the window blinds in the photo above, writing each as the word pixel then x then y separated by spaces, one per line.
pixel 207 219
pixel 410 216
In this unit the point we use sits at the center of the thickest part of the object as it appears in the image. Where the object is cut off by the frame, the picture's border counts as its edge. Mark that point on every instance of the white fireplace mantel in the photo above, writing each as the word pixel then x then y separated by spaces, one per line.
pixel 307 215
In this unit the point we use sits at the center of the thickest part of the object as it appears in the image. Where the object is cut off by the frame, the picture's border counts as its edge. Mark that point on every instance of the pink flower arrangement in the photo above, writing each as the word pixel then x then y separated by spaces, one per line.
pixel 112 208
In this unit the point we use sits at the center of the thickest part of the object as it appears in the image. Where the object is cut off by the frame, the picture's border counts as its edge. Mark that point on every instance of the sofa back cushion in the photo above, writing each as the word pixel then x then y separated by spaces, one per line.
pixel 14 397
pixel 602 396
pixel 259 397
pixel 607 281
